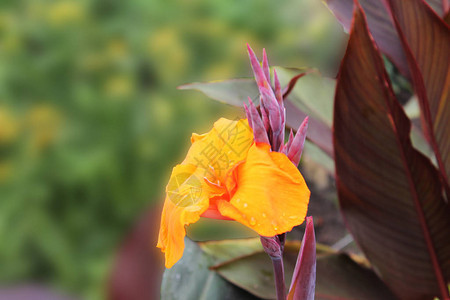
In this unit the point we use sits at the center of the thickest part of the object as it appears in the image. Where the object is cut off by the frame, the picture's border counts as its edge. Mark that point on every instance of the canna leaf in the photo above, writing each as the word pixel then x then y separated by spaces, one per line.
pixel 191 278
pixel 338 276
pixel 426 39
pixel 232 91
pixel 380 25
pixel 390 194
pixel 314 93
pixel 304 277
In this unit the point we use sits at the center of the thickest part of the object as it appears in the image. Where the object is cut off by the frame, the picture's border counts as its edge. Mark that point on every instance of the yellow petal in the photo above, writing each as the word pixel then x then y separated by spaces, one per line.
pixel 200 178
pixel 219 150
pixel 271 195
pixel 187 198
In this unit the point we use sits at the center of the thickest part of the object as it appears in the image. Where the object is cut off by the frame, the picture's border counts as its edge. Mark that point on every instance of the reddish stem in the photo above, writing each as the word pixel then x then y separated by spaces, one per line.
pixel 278 270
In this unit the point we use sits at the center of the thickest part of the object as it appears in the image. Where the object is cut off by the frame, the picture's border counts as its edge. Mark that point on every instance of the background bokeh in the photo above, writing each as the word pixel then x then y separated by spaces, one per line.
pixel 91 122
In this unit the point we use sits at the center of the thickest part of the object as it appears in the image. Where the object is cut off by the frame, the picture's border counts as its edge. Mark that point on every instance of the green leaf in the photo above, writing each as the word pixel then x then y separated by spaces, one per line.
pixel 232 91
pixel 313 93
pixel 254 273
pixel 316 154
pixel 315 98
pixel 337 275
pixel 225 250
pixel 390 194
pixel 191 278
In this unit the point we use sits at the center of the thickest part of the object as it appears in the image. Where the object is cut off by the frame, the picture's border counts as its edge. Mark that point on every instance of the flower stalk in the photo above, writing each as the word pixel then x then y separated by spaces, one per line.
pixel 273 246
pixel 268 127
pixel 278 270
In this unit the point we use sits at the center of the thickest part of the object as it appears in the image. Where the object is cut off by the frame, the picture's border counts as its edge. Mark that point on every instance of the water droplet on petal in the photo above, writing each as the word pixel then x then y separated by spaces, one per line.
pixel 245 205
pixel 274 225
pixel 252 221
pixel 264 215
pixel 293 217
pixel 284 215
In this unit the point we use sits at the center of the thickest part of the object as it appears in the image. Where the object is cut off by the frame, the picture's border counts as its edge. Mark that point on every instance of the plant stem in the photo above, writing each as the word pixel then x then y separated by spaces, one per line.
pixel 278 270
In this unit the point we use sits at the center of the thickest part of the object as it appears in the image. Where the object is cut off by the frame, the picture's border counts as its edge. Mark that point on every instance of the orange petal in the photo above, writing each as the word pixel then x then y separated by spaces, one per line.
pixel 202 176
pixel 271 195
pixel 187 198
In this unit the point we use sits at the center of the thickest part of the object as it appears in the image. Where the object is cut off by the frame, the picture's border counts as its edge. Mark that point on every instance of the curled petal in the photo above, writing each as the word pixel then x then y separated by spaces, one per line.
pixel 256 203
pixel 187 198
pixel 296 149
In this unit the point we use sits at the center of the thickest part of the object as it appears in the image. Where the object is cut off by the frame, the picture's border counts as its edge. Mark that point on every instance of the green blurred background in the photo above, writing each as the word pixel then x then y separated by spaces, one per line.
pixel 91 122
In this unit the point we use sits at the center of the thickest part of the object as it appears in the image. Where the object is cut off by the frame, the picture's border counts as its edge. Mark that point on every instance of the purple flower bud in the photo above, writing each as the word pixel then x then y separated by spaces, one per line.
pixel 265 66
pixel 265 117
pixel 289 142
pixel 278 92
pixel 279 97
pixel 257 70
pixel 249 116
pixel 259 131
pixel 295 150
pixel 271 246
pixel 271 105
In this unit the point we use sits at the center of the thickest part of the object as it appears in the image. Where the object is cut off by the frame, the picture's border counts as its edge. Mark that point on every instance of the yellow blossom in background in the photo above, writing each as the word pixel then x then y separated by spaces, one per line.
pixel 167 45
pixel 6 170
pixel 9 126
pixel 65 11
pixel 119 86
pixel 117 49
pixel 44 123
pixel 62 12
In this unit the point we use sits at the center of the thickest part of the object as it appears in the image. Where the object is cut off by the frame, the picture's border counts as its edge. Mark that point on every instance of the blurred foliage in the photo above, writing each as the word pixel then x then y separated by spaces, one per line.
pixel 91 122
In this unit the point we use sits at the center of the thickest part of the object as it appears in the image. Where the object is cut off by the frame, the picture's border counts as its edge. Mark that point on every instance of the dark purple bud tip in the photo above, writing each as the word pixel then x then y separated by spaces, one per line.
pixel 271 246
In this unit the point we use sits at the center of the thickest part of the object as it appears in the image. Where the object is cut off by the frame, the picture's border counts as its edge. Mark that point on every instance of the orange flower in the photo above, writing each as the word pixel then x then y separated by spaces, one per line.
pixel 227 175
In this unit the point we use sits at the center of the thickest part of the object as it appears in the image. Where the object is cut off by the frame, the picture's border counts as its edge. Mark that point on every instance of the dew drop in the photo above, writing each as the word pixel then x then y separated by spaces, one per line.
pixel 274 225
pixel 264 215
pixel 252 221
pixel 284 215
pixel 245 205
pixel 293 217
